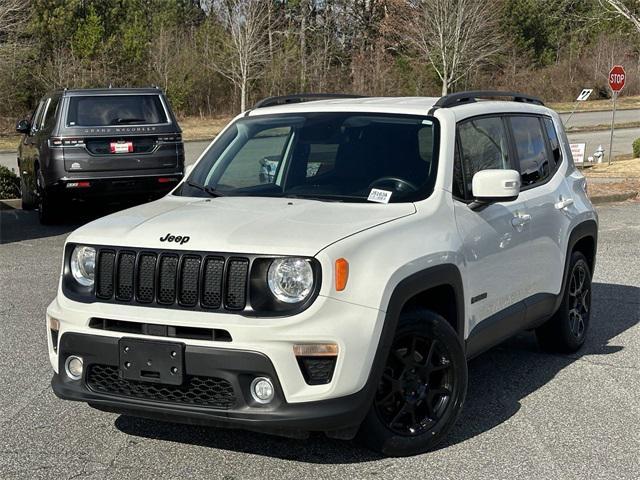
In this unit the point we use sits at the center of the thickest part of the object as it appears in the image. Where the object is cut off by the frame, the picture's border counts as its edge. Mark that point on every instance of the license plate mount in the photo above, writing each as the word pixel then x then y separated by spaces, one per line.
pixel 151 361
pixel 121 147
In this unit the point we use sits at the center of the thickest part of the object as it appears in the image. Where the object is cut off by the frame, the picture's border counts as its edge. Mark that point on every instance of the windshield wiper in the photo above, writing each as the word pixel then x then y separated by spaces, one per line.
pixel 119 121
pixel 205 188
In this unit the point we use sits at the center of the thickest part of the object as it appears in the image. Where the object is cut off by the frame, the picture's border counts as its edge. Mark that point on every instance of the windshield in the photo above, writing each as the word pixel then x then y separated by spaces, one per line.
pixel 107 110
pixel 356 157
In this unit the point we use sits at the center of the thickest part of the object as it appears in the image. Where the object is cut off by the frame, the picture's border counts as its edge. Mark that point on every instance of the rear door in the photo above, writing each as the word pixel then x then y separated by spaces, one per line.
pixel 548 199
pixel 496 239
pixel 28 153
pixel 118 132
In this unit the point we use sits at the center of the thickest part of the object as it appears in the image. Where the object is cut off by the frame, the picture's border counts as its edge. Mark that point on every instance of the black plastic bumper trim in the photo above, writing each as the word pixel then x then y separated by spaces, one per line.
pixel 237 366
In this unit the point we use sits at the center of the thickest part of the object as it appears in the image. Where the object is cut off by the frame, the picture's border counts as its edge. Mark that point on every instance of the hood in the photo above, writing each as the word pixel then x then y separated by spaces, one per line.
pixel 259 225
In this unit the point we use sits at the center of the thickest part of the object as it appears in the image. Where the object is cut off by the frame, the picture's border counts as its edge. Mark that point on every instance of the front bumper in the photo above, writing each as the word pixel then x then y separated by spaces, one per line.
pixel 238 367
pixel 259 347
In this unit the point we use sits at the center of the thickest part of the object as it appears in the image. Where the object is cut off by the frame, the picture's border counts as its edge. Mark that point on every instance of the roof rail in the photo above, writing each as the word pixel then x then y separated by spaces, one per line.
pixel 301 97
pixel 461 98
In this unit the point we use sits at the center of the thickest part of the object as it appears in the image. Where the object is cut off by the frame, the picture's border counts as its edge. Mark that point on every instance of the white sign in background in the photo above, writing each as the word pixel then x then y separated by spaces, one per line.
pixel 584 94
pixel 577 151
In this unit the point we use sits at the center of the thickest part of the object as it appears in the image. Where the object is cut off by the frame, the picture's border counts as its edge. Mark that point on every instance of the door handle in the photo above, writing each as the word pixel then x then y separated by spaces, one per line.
pixel 564 203
pixel 520 221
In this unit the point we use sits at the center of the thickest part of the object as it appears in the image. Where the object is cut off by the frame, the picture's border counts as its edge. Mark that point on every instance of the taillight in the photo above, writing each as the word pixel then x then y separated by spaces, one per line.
pixel 78 184
pixel 167 180
pixel 170 138
pixel 56 142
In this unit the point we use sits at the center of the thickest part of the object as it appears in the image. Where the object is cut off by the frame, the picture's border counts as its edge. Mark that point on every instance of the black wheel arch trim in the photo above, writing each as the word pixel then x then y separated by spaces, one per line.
pixel 586 229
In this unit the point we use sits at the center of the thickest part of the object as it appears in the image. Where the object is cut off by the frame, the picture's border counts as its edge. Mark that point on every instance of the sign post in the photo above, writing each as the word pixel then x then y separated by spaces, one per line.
pixel 583 97
pixel 617 78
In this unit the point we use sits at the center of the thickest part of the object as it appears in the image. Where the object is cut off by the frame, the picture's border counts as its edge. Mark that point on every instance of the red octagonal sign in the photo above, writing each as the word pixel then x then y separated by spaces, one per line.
pixel 617 77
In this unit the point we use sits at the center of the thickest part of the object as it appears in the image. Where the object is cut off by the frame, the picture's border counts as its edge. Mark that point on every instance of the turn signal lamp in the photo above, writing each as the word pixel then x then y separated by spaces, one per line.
pixel 342 274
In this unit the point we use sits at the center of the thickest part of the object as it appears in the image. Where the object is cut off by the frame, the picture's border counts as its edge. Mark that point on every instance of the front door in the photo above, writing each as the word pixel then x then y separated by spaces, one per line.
pixel 496 239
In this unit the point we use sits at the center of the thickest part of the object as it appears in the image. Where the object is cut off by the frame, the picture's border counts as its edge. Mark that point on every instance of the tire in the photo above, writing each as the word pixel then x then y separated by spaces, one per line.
pixel 408 415
pixel 29 199
pixel 48 206
pixel 566 331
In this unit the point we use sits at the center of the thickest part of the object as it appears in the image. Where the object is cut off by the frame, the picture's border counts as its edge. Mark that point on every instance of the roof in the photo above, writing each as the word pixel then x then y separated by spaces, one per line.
pixel 398 105
pixel 79 92
pixel 414 105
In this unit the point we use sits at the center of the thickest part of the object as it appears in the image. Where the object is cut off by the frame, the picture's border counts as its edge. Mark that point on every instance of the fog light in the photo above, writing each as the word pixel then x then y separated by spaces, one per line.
pixel 262 390
pixel 73 366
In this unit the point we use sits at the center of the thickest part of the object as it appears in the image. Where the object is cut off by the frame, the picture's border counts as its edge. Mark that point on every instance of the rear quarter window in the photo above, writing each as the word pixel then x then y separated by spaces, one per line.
pixel 110 110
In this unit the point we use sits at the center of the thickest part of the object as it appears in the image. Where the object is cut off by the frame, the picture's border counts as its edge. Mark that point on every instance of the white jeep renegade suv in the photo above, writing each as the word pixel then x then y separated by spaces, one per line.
pixel 330 265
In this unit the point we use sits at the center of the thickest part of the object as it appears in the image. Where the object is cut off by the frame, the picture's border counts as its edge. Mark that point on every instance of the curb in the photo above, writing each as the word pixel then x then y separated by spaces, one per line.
pixel 10 204
pixel 614 197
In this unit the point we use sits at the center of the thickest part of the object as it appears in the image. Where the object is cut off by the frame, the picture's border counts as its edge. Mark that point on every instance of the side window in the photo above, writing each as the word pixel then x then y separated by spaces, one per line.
pixel 36 119
pixel 458 178
pixel 553 140
pixel 484 144
pixel 50 114
pixel 258 160
pixel 531 148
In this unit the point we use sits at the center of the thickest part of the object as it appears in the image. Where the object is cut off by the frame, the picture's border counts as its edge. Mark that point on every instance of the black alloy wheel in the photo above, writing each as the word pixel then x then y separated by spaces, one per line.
pixel 416 385
pixel 579 300
pixel 566 330
pixel 421 389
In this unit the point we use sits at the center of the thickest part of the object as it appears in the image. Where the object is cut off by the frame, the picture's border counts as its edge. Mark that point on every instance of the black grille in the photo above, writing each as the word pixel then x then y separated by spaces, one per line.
pixel 188 281
pixel 126 267
pixel 236 283
pixel 167 279
pixel 196 390
pixel 212 282
pixel 104 287
pixel 146 277
pixel 317 370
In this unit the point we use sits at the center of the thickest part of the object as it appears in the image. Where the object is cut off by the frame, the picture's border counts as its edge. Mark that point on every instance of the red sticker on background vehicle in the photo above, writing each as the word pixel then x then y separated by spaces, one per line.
pixel 121 147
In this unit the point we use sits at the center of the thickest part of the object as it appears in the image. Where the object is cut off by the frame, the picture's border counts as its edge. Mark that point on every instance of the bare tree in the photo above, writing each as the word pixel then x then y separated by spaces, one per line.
pixel 241 52
pixel 12 15
pixel 455 36
pixel 622 9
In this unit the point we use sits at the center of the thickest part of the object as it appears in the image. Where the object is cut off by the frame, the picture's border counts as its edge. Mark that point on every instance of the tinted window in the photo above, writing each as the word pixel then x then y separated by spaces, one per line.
pixel 553 140
pixel 36 119
pixel 103 110
pixel 50 114
pixel 340 156
pixel 531 149
pixel 484 144
pixel 268 147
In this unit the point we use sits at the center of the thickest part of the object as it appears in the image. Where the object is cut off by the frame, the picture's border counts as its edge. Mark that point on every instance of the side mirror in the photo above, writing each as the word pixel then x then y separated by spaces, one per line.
pixel 494 185
pixel 23 126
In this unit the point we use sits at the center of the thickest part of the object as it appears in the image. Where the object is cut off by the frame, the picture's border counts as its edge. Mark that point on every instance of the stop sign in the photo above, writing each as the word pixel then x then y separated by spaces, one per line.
pixel 617 77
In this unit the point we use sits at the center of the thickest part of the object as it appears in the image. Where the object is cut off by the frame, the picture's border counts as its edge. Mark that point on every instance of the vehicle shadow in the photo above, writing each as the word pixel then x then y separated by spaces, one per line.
pixel 17 225
pixel 498 380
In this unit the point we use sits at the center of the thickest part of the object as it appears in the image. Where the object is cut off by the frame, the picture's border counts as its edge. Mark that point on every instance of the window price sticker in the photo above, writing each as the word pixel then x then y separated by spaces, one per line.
pixel 379 196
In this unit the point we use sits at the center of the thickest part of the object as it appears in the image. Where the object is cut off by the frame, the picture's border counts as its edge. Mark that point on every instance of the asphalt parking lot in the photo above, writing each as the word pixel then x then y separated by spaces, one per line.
pixel 528 414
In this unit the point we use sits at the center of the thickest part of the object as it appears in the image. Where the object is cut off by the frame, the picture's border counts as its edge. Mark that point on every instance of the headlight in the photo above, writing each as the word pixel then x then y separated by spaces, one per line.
pixel 83 265
pixel 290 279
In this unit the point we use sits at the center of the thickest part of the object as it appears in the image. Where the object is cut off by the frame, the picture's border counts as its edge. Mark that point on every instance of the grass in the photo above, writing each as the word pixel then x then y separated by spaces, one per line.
pixel 9 143
pixel 202 128
pixel 618 168
pixel 602 127
pixel 623 103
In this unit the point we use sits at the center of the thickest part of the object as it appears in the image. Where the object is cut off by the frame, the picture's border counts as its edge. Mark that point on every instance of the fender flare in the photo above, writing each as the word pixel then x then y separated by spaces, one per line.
pixel 436 276
pixel 588 228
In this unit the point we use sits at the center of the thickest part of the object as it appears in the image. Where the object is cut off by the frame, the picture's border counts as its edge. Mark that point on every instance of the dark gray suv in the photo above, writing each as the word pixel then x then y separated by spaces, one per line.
pixel 110 144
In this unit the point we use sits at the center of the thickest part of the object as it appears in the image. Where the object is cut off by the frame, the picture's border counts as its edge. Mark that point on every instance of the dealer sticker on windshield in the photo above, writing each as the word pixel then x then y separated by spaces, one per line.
pixel 379 196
